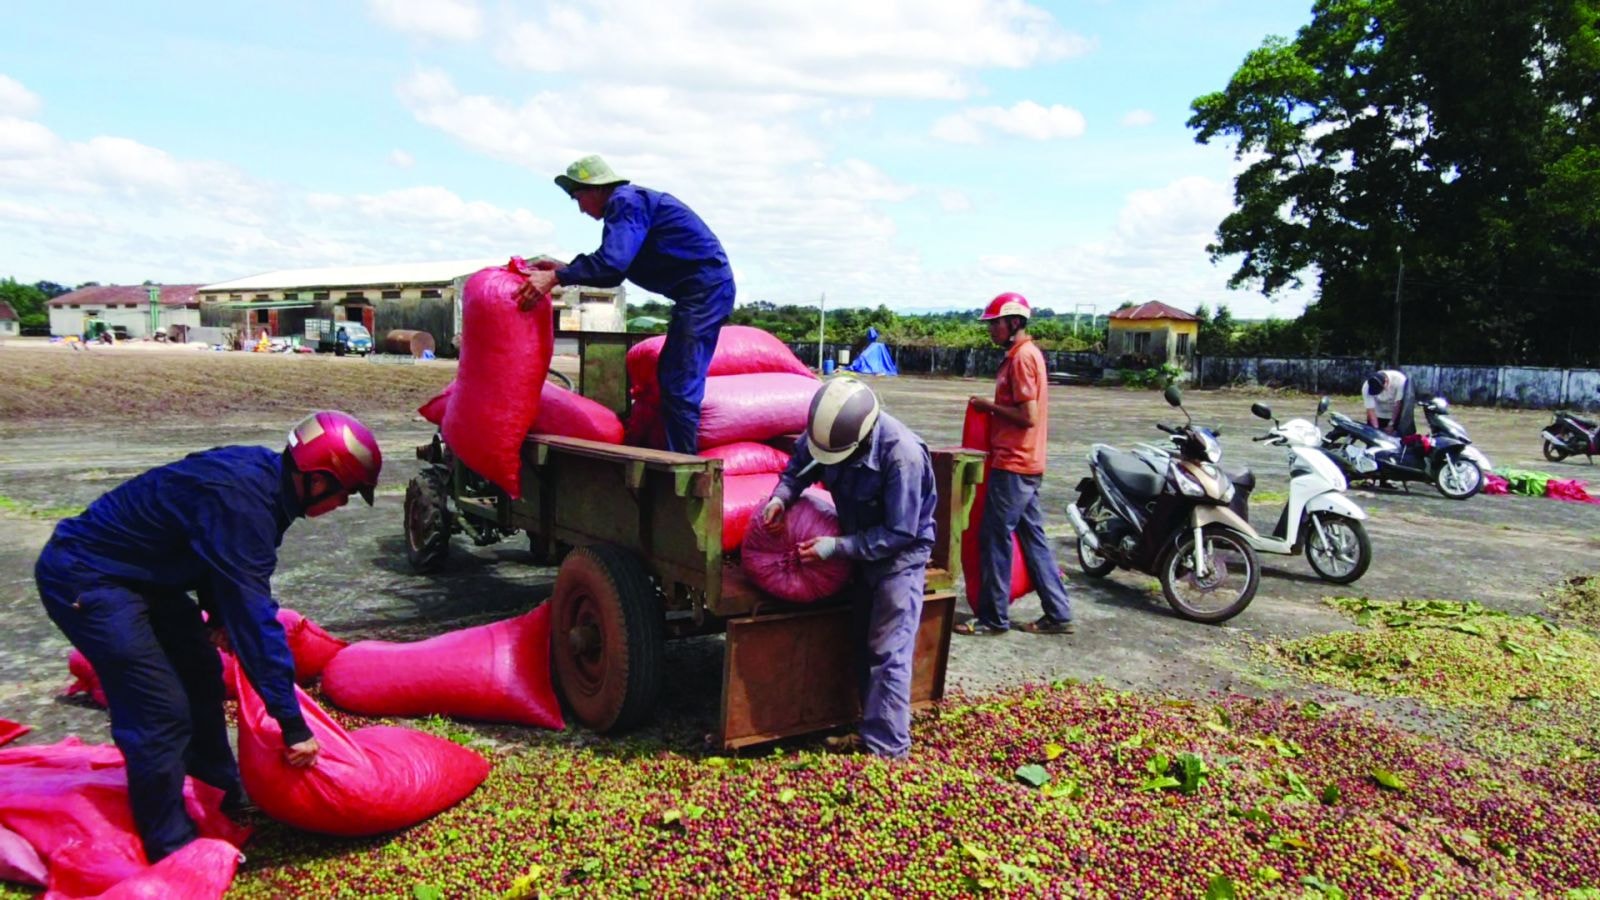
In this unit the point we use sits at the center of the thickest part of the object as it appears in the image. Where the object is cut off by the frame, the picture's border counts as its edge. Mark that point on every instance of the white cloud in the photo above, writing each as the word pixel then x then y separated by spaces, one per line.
pixel 1138 118
pixel 400 159
pixel 955 201
pixel 1026 120
pixel 114 209
pixel 16 100
pixel 451 20
pixel 892 48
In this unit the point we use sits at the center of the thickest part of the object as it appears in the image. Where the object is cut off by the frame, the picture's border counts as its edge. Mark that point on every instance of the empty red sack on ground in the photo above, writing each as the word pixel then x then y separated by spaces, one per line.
pixel 505 356
pixel 498 672
pixel 771 559
pixel 365 782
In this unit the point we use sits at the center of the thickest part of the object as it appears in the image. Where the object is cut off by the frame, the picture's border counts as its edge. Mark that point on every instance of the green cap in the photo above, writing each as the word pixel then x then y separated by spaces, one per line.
pixel 591 171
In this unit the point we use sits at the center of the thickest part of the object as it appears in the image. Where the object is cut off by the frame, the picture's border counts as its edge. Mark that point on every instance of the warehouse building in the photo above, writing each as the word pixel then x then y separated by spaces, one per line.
pixel 126 310
pixel 391 297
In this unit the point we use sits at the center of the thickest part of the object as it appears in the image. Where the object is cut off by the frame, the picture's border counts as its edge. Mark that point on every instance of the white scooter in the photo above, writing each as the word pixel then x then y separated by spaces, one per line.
pixel 1317 518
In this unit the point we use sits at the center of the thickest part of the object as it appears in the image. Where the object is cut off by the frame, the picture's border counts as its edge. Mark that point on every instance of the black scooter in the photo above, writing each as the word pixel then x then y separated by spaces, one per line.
pixel 1366 455
pixel 1570 435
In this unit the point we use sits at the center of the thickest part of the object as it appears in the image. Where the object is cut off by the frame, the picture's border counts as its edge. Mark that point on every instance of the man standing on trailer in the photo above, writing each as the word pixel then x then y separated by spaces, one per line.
pixel 655 241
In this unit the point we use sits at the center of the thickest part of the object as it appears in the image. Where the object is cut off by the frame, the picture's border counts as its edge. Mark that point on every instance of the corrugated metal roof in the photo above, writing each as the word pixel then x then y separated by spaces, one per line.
pixel 358 276
pixel 1155 309
pixel 7 314
pixel 171 295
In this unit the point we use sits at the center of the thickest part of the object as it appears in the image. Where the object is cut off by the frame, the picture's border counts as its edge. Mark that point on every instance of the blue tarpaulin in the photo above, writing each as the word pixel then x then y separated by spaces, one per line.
pixel 875 360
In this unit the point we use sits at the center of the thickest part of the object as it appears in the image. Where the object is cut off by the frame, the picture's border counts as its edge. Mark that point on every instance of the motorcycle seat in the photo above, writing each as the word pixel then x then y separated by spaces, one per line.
pixel 1587 423
pixel 1131 473
pixel 1243 479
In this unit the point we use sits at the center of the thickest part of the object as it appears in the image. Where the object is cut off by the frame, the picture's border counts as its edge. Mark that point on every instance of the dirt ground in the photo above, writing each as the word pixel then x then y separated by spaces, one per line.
pixel 348 570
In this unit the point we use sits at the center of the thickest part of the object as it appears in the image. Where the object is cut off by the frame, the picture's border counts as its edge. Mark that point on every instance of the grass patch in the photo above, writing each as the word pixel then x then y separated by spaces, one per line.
pixel 1526 686
pixel 1577 600
pixel 1071 789
pixel 15 507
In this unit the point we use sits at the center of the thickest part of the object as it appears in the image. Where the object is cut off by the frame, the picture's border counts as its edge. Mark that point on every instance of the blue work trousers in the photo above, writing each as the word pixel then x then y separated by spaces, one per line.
pixel 685 358
pixel 1012 507
pixel 887 616
pixel 163 681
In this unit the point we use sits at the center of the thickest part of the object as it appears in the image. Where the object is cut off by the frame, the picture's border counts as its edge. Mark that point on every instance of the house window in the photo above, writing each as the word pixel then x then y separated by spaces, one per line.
pixel 263 316
pixel 235 296
pixel 74 306
pixel 1141 342
pixel 291 295
pixel 260 297
pixel 1183 345
pixel 430 293
pixel 391 295
pixel 319 295
pixel 355 295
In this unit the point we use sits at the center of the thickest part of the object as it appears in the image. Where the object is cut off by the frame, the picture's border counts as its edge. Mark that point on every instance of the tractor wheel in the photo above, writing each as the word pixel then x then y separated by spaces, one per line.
pixel 428 525
pixel 607 637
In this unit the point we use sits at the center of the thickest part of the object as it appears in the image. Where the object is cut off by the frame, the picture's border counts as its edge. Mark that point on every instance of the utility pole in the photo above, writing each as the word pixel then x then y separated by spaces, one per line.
pixel 822 328
pixel 1399 279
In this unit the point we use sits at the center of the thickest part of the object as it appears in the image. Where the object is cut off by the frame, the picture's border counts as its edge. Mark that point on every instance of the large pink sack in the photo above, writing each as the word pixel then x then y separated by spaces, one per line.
pixel 772 561
pixel 975 436
pixel 365 782
pixel 498 672
pixel 69 801
pixel 740 350
pixel 749 458
pixel 754 407
pixel 505 356
pixel 309 644
pixel 561 412
pixel 202 870
pixel 742 497
pixel 19 862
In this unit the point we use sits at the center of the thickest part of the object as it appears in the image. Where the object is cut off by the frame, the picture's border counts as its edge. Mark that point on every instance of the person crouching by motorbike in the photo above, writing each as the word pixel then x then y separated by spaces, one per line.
pixel 116 580
pixel 881 478
pixel 1019 425
pixel 1391 402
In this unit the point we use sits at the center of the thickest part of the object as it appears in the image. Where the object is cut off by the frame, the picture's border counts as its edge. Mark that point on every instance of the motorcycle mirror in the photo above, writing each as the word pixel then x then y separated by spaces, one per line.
pixel 1261 410
pixel 1441 404
pixel 1323 404
pixel 1173 395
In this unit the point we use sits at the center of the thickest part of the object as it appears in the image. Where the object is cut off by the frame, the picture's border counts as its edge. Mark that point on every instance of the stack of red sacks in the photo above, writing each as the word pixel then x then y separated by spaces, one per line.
pixel 756 390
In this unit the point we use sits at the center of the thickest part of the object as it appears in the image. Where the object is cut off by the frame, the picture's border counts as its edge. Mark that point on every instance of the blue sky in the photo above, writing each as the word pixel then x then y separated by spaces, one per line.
pixel 918 154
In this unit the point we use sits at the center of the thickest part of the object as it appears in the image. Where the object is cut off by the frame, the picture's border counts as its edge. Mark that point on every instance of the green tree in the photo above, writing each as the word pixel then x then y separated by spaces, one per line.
pixel 1458 138
pixel 27 300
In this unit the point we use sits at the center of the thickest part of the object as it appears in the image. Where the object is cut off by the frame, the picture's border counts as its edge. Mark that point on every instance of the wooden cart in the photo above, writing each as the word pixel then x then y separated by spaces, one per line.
pixel 637 534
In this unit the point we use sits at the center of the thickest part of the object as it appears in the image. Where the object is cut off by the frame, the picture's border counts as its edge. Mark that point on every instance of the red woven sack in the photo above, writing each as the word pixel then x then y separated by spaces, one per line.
pixel 741 350
pixel 754 407
pixel 69 801
pixel 975 436
pixel 200 870
pixel 498 672
pixel 365 782
pixel 742 497
pixel 749 458
pixel 505 355
pixel 10 731
pixel 772 560
pixel 19 862
pixel 561 412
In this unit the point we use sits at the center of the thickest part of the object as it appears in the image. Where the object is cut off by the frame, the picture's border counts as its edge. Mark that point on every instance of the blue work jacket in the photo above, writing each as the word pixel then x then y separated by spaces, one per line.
pixel 885 498
pixel 211 523
pixel 655 241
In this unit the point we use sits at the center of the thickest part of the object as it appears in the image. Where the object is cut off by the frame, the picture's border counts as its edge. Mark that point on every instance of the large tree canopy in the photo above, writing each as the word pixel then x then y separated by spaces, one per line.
pixel 1461 136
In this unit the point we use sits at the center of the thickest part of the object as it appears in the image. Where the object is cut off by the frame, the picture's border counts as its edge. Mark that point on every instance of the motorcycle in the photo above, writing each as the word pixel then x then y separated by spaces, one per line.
pixel 1167 515
pixel 1570 435
pixel 1365 455
pixel 1317 518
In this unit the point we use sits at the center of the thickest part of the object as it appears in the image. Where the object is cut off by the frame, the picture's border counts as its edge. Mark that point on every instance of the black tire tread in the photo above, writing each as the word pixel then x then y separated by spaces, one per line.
pixel 431 487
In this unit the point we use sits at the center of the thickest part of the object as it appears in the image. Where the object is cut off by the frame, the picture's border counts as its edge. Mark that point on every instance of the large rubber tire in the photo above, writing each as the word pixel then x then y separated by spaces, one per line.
pixel 1363 547
pixel 427 519
pixel 607 637
pixel 1183 547
pixel 1555 452
pixel 1093 564
pixel 1474 479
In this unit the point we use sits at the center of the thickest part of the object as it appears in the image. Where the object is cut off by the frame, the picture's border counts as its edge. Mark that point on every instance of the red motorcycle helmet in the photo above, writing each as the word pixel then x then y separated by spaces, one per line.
pixel 339 446
pixel 1007 304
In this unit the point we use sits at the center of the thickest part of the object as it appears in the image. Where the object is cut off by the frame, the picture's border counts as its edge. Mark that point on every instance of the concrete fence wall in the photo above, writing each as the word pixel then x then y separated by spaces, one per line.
pixel 1518 386
pixel 964 363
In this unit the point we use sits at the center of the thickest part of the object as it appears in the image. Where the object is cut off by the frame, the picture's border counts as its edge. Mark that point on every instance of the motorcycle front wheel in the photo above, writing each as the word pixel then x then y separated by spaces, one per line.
pixel 1093 564
pixel 1459 478
pixel 1224 587
pixel 1554 452
pixel 1345 555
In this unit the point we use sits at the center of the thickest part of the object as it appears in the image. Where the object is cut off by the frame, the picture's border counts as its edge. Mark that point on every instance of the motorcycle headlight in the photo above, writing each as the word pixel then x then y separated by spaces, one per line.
pixel 1212 449
pixel 1187 484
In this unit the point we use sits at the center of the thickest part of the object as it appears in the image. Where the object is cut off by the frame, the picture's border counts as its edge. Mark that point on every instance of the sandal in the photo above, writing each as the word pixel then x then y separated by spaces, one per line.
pixel 978 629
pixel 1047 625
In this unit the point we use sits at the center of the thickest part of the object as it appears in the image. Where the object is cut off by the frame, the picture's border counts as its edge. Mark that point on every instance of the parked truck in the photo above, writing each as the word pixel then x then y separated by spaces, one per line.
pixel 339 338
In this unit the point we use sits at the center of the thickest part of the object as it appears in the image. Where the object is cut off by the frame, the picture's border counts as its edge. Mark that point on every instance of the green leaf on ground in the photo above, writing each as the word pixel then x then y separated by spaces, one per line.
pixel 1389 780
pixel 1033 775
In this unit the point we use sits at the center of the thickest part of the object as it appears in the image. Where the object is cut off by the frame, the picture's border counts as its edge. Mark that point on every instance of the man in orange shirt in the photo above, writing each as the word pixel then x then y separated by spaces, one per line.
pixel 1019 423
